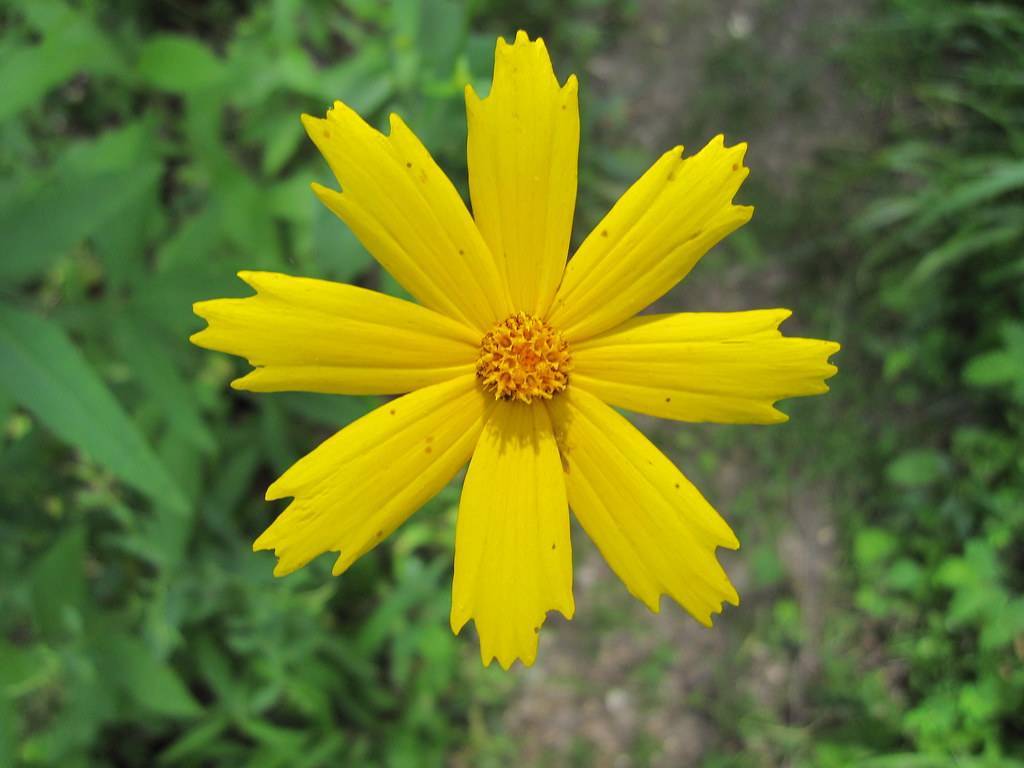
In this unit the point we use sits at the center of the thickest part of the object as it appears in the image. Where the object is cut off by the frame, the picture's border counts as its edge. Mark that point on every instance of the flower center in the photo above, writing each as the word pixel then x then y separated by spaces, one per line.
pixel 523 357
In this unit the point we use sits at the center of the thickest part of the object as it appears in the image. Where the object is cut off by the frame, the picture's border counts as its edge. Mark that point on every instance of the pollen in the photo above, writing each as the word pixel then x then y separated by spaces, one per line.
pixel 522 358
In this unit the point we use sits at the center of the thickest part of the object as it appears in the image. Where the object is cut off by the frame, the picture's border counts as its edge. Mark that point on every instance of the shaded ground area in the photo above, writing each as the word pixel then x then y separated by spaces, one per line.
pixel 618 686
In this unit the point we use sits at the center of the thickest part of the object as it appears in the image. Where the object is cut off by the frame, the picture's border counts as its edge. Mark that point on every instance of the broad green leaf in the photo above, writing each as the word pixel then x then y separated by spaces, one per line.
pixel 24 667
pixel 993 369
pixel 70 44
pixel 141 344
pixel 339 255
pixel 58 586
pixel 151 682
pixel 282 134
pixel 46 374
pixel 916 469
pixel 41 227
pixel 442 34
pixel 363 81
pixel 872 546
pixel 10 722
pixel 179 64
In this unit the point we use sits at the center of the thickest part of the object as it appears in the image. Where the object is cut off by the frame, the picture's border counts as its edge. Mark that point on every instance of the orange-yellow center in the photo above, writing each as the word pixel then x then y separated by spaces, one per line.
pixel 523 357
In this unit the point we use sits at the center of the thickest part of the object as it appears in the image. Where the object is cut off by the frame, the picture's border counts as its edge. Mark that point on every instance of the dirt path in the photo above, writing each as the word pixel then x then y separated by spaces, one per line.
pixel 619 686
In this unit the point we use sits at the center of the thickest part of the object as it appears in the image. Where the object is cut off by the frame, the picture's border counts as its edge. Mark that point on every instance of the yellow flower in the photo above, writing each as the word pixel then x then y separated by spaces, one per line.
pixel 513 358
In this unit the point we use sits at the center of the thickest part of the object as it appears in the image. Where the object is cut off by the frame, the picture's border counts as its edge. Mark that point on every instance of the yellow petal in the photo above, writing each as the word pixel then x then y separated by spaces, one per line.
pixel 705 366
pixel 406 212
pixel 362 483
pixel 318 336
pixel 523 153
pixel 664 223
pixel 653 527
pixel 513 558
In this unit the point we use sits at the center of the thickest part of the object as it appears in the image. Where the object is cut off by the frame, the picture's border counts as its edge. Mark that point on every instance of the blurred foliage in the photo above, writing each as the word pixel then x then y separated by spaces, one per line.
pixel 930 434
pixel 150 150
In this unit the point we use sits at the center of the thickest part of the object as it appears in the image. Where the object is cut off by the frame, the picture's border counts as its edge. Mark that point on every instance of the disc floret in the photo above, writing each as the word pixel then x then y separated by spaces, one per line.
pixel 522 358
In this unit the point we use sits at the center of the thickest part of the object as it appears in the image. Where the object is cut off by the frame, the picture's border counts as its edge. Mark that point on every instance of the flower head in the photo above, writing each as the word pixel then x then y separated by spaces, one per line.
pixel 511 359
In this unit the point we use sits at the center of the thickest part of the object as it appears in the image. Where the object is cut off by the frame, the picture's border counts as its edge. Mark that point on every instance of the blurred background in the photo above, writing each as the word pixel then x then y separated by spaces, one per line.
pixel 150 150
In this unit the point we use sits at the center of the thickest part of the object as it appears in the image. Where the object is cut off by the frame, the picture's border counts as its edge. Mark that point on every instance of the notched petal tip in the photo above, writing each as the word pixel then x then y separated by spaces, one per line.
pixel 457 620
pixel 277 491
pixel 281 570
pixel 199 337
pixel 776 416
pixel 507 661
pixel 197 306
pixel 568 611
pixel 728 538
pixel 256 278
pixel 316 127
pixel 521 38
pixel 782 315
pixel 343 562
pixel 331 198
pixel 396 123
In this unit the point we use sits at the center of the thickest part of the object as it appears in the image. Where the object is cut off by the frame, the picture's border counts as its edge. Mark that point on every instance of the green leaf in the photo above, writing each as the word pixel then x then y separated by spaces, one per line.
pixel 24 667
pixel 192 741
pixel 283 135
pixel 152 683
pixel 141 343
pixel 10 722
pixel 179 64
pixel 58 586
pixel 916 469
pixel 42 226
pixel 71 44
pixel 994 178
pixel 872 546
pixel 993 369
pixel 961 247
pixel 47 375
